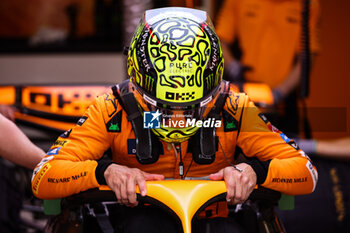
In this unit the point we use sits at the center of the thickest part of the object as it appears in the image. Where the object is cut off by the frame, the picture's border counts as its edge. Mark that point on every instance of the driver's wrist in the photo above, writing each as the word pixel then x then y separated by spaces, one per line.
pixel 101 168
pixel 260 168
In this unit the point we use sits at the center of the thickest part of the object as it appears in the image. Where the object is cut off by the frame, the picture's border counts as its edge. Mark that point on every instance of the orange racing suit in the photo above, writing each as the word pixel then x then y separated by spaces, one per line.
pixel 70 165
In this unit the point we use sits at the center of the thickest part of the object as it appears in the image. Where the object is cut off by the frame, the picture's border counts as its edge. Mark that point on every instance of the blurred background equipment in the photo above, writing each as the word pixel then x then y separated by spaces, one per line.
pixel 132 12
pixel 55 107
pixel 70 43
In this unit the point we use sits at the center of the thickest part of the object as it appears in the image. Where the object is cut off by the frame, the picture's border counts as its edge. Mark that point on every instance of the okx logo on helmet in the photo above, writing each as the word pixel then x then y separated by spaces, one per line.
pixel 175 64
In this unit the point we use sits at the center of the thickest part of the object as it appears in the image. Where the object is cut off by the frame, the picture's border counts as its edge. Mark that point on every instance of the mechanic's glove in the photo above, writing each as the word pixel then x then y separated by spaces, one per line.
pixel 235 71
pixel 307 145
pixel 278 96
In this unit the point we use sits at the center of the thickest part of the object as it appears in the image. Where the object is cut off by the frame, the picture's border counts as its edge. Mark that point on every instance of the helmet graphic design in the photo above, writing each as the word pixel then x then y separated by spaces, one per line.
pixel 175 62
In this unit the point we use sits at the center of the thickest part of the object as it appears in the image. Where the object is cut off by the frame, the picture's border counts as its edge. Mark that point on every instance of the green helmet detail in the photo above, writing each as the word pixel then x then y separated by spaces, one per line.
pixel 175 60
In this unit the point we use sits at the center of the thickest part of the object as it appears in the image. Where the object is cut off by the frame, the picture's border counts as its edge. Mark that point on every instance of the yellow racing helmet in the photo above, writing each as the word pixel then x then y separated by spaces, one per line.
pixel 175 64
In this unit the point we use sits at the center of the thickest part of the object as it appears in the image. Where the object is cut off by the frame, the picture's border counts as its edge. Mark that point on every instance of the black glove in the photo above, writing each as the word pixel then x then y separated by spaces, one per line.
pixel 235 72
pixel 278 96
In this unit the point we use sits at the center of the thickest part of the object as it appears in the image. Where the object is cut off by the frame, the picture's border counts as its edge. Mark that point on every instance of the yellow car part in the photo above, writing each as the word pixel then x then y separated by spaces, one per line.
pixel 184 197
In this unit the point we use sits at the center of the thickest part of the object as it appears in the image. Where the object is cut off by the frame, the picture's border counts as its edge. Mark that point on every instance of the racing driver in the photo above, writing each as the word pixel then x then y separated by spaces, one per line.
pixel 175 118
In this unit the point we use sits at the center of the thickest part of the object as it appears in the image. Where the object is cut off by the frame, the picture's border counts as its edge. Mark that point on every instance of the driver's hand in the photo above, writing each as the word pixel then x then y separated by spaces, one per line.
pixel 239 185
pixel 123 180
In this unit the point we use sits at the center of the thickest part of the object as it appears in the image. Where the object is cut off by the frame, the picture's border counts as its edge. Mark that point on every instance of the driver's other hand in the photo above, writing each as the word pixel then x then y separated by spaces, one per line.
pixel 123 180
pixel 239 185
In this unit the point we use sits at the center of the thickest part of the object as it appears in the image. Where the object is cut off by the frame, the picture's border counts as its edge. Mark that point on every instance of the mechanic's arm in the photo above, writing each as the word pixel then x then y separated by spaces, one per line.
pixel 16 147
pixel 282 166
pixel 8 111
pixel 328 148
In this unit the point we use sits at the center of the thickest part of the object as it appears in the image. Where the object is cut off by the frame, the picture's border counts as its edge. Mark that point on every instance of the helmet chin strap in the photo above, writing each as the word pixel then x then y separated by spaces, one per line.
pixel 207 135
pixel 204 143
pixel 147 144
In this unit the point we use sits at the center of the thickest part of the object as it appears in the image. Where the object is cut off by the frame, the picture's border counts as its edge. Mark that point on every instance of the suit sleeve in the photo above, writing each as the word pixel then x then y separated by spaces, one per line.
pixel 70 164
pixel 287 168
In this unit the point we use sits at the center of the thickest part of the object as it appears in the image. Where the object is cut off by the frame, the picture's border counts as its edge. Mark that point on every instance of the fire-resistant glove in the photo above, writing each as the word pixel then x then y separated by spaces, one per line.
pixel 235 71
